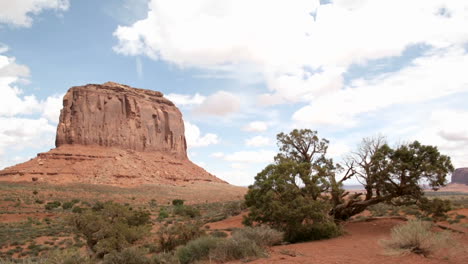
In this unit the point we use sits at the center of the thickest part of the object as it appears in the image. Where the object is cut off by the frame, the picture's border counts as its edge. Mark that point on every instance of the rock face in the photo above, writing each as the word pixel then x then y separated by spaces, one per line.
pixel 460 176
pixel 118 135
pixel 115 115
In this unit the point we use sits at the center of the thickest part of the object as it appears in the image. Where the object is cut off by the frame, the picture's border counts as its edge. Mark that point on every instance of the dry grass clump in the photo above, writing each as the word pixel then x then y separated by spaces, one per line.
pixel 416 237
pixel 263 236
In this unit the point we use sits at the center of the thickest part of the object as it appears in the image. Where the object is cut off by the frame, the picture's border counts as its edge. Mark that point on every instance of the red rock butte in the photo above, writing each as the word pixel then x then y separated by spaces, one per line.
pixel 114 134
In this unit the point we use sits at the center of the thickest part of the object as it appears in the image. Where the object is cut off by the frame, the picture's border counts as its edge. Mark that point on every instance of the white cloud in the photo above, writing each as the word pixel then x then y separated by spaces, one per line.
pixel 186 100
pixel 301 59
pixel 217 155
pixel 18 129
pixel 258 141
pixel 221 103
pixel 256 126
pixel 261 156
pixel 438 74
pixel 447 129
pixel 239 166
pixel 18 12
pixel 195 139
pixel 51 108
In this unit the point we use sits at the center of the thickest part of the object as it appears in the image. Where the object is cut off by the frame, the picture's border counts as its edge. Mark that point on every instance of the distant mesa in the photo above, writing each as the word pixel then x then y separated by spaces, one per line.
pixel 114 134
pixel 460 176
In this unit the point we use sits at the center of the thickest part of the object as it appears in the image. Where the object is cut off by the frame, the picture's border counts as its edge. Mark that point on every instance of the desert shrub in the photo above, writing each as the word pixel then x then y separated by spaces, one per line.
pixel 164 258
pixel 460 216
pixel 234 249
pixel 35 192
pixel 163 214
pixel 67 205
pixel 77 210
pixel 39 201
pixel 185 210
pixel 197 249
pixel 153 203
pixel 169 237
pixel 68 256
pixel 380 209
pixel 233 208
pixel 218 234
pixel 177 202
pixel 415 236
pixel 261 235
pixel 436 207
pixel 111 227
pixel 52 205
pixel 126 256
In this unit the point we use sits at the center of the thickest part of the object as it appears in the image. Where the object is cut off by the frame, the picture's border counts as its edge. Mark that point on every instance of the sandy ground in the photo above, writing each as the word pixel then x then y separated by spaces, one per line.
pixel 360 244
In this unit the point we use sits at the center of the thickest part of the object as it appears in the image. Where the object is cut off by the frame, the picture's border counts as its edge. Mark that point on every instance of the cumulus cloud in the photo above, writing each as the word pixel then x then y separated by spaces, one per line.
pixel 257 141
pixel 221 103
pixel 447 129
pixel 186 100
pixel 437 74
pixel 25 121
pixel 196 139
pixel 19 13
pixel 256 126
pixel 301 59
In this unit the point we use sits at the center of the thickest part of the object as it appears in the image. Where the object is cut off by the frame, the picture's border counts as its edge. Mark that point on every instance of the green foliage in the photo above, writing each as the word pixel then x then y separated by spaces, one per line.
pixel 436 207
pixel 52 205
pixel 169 237
pixel 262 235
pixel 67 205
pixel 234 249
pixel 219 234
pixel 165 258
pixel 197 249
pixel 163 214
pixel 276 200
pixel 301 195
pixel 126 256
pixel 110 227
pixel 416 237
pixel 186 210
pixel 177 202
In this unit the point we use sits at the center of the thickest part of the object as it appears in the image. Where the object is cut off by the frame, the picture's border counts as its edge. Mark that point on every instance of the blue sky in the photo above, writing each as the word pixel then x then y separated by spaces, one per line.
pixel 242 71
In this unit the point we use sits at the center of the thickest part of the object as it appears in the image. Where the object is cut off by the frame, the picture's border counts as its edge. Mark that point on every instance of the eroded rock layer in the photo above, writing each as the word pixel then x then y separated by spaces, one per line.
pixel 115 115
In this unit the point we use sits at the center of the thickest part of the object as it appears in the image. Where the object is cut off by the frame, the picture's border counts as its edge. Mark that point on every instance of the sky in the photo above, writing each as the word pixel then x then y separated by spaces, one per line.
pixel 242 71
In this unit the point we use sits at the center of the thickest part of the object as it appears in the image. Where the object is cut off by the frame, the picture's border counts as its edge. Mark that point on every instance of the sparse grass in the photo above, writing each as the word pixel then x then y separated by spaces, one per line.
pixel 416 237
pixel 262 235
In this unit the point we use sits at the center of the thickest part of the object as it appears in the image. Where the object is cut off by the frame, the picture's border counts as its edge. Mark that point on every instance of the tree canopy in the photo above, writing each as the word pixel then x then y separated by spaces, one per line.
pixel 303 189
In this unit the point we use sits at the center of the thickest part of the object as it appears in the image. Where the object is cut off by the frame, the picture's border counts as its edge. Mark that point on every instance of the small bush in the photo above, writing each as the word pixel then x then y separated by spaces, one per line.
pixel 234 249
pixel 163 214
pixel 77 210
pixel 169 237
pixel 69 256
pixel 164 258
pixel 38 201
pixel 177 202
pixel 415 237
pixel 262 235
pixel 197 249
pixel 185 210
pixel 436 207
pixel 67 205
pixel 127 256
pixel 218 234
pixel 52 205
pixel 110 227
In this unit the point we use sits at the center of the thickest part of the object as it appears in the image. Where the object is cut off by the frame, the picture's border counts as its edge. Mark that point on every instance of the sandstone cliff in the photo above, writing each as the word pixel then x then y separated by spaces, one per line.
pixel 114 115
pixel 114 134
pixel 460 176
